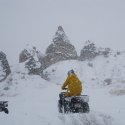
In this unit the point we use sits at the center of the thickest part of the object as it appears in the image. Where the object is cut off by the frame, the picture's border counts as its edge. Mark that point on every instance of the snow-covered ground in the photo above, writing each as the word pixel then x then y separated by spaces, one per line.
pixel 33 100
pixel 37 104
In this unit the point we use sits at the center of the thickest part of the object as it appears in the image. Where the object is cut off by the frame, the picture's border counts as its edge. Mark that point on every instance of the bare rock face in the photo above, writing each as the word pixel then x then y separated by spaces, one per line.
pixel 4 67
pixel 59 49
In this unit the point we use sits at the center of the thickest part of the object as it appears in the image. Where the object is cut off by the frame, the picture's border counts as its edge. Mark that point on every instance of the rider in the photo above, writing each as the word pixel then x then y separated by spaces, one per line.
pixel 73 83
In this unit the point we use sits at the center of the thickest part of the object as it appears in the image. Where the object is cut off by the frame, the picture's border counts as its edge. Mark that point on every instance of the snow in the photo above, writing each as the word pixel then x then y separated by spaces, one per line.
pixel 36 105
pixel 33 100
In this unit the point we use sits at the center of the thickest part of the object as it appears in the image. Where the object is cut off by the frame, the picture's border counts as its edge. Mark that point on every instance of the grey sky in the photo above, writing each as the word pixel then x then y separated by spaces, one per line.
pixel 35 22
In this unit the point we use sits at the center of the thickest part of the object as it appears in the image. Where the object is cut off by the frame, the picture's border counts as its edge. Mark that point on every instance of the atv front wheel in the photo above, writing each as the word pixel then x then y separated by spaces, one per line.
pixel 60 106
pixel 85 108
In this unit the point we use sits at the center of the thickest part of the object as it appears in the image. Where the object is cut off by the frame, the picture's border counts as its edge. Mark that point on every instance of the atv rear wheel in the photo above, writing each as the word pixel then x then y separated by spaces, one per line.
pixel 85 107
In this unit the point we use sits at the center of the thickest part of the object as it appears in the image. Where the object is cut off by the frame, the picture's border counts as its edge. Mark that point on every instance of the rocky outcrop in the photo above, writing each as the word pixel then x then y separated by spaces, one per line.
pixel 60 49
pixel 24 55
pixel 30 56
pixel 4 67
pixel 104 51
pixel 90 51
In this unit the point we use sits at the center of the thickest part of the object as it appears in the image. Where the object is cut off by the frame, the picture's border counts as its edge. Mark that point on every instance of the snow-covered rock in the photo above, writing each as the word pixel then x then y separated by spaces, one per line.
pixel 4 67
pixel 31 57
pixel 59 49
pixel 60 36
pixel 90 51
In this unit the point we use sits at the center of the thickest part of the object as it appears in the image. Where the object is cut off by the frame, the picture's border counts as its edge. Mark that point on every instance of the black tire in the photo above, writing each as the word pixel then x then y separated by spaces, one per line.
pixel 60 106
pixel 85 107
pixel 67 107
pixel 6 110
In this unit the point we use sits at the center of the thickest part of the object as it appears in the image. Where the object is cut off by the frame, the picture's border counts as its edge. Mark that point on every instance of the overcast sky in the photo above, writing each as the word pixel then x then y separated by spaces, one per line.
pixel 36 21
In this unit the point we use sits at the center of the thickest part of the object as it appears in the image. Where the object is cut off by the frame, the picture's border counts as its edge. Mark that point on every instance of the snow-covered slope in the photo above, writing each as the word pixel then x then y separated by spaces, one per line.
pixel 36 103
pixel 33 100
pixel 100 71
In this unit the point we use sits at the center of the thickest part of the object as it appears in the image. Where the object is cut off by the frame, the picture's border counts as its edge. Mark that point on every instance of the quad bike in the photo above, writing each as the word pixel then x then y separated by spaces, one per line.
pixel 73 104
pixel 3 106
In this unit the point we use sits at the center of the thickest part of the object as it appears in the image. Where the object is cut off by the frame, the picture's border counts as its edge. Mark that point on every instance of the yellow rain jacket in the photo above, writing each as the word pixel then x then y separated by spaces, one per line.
pixel 74 85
